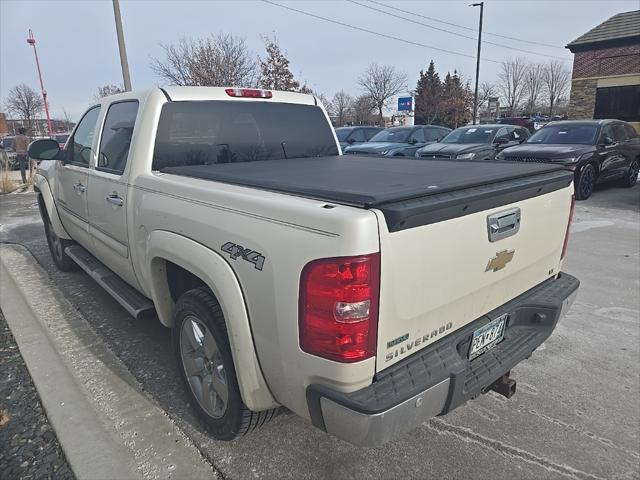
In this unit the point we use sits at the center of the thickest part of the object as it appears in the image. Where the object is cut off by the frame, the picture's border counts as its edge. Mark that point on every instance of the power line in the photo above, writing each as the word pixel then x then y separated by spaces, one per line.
pixel 468 28
pixel 449 31
pixel 379 34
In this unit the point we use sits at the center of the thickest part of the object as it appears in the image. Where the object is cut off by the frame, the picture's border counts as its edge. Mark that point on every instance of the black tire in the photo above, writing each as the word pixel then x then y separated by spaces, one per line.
pixel 631 175
pixel 56 244
pixel 586 182
pixel 200 305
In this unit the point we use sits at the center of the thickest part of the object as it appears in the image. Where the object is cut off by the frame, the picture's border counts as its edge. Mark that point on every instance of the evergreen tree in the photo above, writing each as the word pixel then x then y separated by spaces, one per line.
pixel 457 101
pixel 428 96
pixel 275 69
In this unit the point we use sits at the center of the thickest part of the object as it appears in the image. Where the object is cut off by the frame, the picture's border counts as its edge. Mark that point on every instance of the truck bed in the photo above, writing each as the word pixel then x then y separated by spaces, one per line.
pixel 409 192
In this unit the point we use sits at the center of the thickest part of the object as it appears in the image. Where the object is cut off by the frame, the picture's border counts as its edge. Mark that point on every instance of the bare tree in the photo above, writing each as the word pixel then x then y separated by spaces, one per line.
pixel 533 85
pixel 325 101
pixel 556 81
pixel 511 82
pixel 363 107
pixel 107 90
pixel 485 92
pixel 342 106
pixel 381 83
pixel 221 60
pixel 175 68
pixel 25 103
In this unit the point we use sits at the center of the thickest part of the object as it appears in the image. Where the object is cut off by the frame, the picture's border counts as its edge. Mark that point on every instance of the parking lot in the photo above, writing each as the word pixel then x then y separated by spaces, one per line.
pixel 576 413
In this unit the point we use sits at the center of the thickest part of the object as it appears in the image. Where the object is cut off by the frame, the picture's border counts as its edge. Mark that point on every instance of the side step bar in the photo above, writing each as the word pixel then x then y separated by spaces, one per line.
pixel 133 302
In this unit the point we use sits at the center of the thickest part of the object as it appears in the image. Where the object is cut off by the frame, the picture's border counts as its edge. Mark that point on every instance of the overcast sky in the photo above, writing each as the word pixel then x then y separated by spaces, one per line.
pixel 78 49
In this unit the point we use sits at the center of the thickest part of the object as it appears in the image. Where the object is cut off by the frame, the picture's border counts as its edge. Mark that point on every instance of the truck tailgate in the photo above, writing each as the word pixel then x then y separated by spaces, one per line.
pixel 440 271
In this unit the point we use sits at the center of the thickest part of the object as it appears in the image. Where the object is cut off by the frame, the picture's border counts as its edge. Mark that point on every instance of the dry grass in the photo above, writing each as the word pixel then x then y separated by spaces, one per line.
pixel 6 184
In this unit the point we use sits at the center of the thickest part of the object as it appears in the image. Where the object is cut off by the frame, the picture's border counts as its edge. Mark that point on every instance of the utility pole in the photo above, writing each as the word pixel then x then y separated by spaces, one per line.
pixel 32 41
pixel 123 51
pixel 475 93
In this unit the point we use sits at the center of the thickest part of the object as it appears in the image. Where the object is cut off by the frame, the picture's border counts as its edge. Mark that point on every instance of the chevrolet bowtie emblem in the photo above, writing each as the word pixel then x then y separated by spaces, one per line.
pixel 500 260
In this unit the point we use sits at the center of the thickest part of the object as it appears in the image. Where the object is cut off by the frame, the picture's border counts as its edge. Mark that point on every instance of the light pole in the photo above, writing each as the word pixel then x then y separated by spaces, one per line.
pixel 32 41
pixel 475 93
pixel 123 51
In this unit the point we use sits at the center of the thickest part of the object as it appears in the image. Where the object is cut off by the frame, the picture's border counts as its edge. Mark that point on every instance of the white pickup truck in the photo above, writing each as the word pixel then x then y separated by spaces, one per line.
pixel 364 294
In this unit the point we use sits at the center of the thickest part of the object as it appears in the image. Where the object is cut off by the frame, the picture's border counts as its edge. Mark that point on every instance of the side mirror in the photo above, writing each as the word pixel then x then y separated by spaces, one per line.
pixel 350 140
pixel 607 141
pixel 500 141
pixel 45 149
pixel 413 141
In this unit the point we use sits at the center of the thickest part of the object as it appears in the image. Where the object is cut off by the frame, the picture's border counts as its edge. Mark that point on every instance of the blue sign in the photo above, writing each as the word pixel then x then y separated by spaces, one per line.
pixel 405 104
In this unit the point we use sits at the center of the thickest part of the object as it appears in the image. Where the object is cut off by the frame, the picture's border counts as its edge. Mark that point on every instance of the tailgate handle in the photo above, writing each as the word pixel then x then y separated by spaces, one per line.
pixel 503 224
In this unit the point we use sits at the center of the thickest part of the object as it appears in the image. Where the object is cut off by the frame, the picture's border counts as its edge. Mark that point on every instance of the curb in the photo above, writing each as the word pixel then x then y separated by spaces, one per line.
pixel 107 427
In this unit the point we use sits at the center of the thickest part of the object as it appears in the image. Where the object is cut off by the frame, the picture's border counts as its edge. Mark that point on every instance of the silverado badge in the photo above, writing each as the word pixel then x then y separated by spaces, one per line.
pixel 500 260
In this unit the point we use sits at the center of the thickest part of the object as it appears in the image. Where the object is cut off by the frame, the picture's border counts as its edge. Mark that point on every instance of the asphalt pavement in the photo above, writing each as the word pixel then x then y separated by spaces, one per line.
pixel 576 413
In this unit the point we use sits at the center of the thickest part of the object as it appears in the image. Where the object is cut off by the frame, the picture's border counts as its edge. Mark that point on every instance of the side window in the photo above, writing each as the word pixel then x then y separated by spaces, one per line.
pixel 418 135
pixel 502 133
pixel 80 154
pixel 358 135
pixel 370 132
pixel 432 134
pixel 523 133
pixel 619 133
pixel 116 136
pixel 631 132
pixel 607 131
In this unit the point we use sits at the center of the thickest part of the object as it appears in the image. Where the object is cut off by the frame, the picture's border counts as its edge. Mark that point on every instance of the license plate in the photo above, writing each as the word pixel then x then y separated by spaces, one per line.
pixel 486 337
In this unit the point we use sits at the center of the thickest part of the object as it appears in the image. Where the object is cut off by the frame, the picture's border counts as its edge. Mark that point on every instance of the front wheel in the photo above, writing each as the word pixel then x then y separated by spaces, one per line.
pixel 586 182
pixel 57 245
pixel 631 175
pixel 207 369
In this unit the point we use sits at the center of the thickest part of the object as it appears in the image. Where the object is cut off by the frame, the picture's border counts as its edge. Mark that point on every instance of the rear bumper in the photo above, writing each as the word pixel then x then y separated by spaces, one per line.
pixel 440 377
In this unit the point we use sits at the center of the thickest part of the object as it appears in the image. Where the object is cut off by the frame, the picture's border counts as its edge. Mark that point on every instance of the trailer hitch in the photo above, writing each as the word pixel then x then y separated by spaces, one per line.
pixel 505 386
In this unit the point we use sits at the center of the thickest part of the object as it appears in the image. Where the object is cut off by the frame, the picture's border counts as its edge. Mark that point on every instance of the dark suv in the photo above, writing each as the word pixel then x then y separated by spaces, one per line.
pixel 595 150
pixel 400 141
pixel 348 136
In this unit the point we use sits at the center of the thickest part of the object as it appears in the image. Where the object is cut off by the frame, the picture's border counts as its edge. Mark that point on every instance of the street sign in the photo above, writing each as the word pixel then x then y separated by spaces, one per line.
pixel 405 104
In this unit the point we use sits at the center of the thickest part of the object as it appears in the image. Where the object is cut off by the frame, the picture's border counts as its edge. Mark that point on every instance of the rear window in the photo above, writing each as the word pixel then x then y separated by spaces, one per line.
pixel 212 132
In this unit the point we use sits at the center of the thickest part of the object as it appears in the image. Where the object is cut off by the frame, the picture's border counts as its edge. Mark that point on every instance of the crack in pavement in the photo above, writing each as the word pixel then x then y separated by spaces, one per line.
pixel 468 435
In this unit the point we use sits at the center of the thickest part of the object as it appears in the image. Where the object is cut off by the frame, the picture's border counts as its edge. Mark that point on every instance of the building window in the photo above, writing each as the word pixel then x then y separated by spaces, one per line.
pixel 622 103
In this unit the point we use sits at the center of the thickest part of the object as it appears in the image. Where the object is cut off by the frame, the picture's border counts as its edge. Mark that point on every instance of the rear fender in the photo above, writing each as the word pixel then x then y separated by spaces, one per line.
pixel 214 271
pixel 42 185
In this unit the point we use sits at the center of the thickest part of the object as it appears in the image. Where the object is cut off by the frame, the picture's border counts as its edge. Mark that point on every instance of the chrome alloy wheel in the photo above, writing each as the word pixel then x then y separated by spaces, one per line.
pixel 203 367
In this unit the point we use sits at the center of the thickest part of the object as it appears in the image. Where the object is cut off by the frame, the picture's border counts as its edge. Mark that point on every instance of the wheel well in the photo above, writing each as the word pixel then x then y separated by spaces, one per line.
pixel 42 207
pixel 180 280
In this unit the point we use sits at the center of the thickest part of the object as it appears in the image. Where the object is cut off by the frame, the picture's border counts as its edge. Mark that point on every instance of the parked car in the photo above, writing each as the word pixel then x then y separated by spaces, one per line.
pixel 525 122
pixel 341 287
pixel 474 142
pixel 10 155
pixel 594 150
pixel 348 136
pixel 399 141
pixel 61 138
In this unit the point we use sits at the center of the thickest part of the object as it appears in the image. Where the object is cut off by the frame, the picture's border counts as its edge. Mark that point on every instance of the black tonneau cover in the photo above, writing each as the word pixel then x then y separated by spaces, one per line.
pixel 408 191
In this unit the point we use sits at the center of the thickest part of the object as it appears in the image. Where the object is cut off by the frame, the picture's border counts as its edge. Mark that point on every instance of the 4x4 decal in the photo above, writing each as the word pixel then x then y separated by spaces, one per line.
pixel 236 251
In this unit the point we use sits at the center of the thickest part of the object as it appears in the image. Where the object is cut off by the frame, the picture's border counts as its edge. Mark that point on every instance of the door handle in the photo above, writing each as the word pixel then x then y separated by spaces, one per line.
pixel 115 200
pixel 503 224
pixel 79 188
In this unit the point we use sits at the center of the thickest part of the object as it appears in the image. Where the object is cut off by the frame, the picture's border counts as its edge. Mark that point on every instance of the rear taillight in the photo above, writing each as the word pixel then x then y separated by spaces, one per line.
pixel 248 92
pixel 338 317
pixel 566 235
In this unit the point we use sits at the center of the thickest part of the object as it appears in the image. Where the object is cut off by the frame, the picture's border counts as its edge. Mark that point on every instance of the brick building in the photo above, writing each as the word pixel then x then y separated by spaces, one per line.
pixel 606 70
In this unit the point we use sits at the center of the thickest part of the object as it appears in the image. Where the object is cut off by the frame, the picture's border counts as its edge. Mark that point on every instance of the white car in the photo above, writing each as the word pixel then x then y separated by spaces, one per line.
pixel 364 294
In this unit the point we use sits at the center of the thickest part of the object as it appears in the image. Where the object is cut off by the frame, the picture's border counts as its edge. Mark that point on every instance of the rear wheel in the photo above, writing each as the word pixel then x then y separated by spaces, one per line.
pixel 206 367
pixel 586 182
pixel 631 175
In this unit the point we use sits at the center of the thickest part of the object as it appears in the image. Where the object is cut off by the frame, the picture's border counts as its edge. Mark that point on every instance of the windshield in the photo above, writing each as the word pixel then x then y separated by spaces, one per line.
pixel 582 134
pixel 392 135
pixel 477 134
pixel 215 132
pixel 343 133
